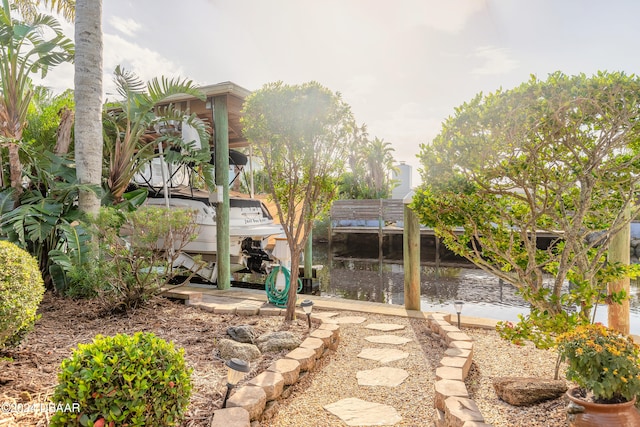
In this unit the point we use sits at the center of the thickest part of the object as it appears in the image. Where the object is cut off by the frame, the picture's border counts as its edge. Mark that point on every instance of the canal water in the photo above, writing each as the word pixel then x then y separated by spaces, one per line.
pixel 483 294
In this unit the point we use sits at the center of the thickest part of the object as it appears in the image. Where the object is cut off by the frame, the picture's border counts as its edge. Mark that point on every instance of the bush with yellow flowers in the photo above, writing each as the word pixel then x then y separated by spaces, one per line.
pixel 602 361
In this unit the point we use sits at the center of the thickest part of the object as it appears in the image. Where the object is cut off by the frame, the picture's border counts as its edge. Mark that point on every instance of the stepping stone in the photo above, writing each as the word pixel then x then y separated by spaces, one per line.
pixel 388 339
pixel 383 355
pixel 350 319
pixel 357 412
pixel 386 327
pixel 388 377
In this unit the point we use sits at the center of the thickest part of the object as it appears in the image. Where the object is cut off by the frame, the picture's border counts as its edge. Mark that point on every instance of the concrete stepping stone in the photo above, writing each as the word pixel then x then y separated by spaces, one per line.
pixel 388 339
pixel 383 355
pixel 385 327
pixel 324 314
pixel 387 377
pixel 357 412
pixel 350 319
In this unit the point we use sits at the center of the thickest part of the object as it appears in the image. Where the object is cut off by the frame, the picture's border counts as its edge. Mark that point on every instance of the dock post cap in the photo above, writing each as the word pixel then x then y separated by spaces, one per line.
pixel 409 197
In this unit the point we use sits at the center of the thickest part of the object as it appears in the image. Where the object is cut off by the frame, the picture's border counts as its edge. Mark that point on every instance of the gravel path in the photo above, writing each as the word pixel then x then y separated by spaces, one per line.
pixel 336 379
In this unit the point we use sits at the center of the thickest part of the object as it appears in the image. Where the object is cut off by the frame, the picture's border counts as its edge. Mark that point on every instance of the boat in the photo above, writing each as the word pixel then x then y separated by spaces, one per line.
pixel 251 225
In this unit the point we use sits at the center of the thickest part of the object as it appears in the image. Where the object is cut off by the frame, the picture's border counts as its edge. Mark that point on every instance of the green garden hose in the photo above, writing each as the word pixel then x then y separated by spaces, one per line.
pixel 276 297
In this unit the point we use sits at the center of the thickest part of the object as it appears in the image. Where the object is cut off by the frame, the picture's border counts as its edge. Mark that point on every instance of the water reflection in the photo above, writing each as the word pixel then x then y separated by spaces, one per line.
pixel 484 295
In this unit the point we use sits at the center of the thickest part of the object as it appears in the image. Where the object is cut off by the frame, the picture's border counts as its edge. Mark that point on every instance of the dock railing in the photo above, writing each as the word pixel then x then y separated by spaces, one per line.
pixel 367 213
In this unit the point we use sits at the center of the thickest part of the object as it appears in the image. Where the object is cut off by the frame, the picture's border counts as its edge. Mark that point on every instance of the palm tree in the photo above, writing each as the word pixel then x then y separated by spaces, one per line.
pixel 29 8
pixel 26 48
pixel 88 100
pixel 380 162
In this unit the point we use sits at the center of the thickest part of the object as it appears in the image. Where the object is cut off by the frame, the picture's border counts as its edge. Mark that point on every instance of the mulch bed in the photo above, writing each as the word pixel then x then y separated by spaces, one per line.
pixel 28 373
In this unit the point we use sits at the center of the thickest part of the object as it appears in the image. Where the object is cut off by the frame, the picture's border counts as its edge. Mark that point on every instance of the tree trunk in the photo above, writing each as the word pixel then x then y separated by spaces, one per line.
pixel 618 314
pixel 64 132
pixel 15 171
pixel 88 100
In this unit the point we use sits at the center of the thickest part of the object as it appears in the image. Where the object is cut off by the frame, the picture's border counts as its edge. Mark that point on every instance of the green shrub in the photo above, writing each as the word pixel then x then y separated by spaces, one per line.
pixel 21 290
pixel 137 253
pixel 138 380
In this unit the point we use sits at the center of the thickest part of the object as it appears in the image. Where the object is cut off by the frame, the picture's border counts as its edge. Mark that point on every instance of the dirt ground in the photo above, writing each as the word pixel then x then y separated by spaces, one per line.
pixel 28 373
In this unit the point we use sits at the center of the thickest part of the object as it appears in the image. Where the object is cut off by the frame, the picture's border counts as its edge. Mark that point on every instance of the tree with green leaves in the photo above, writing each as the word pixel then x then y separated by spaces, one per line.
pixel 556 158
pixel 26 47
pixel 302 135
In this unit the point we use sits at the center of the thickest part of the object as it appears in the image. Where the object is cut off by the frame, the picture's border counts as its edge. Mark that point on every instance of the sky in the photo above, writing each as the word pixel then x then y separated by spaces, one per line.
pixel 402 66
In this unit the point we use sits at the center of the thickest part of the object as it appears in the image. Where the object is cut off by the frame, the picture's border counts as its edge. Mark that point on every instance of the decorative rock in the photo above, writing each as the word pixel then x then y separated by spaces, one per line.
pixel 462 344
pixel 271 382
pixel 388 377
pixel 357 412
pixel 388 339
pixel 305 356
pixel 448 373
pixel 448 388
pixel 385 327
pixel 459 410
pixel 383 355
pixel 315 344
pixel 288 368
pixel 457 362
pixel 350 319
pixel 231 417
pixel 527 391
pixel 277 341
pixel 242 333
pixel 325 336
pixel 251 398
pixel 458 352
pixel 230 349
pixel 457 336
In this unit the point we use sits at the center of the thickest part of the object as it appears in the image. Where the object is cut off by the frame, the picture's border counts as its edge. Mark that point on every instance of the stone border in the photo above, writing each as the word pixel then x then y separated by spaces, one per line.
pixel 258 398
pixel 451 398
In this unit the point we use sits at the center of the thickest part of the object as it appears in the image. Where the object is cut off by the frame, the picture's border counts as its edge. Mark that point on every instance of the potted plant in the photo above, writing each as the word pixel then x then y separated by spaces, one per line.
pixel 605 365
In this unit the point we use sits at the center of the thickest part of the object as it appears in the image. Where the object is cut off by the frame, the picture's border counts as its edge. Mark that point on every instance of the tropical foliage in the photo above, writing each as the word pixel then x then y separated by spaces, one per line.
pixel 370 164
pixel 555 159
pixel 128 146
pixel 47 221
pixel 137 252
pixel 301 133
pixel 25 48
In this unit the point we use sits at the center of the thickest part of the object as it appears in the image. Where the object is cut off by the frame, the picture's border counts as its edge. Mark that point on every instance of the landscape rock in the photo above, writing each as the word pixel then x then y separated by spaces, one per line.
pixel 230 349
pixel 277 341
pixel 242 333
pixel 519 391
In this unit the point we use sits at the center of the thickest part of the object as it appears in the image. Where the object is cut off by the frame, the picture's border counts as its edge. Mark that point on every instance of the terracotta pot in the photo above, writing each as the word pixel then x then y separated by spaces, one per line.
pixel 581 413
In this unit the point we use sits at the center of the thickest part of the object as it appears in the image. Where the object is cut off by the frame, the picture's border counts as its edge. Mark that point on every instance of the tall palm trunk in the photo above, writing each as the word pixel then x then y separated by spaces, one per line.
pixel 88 100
